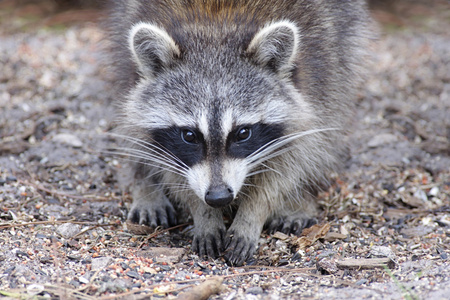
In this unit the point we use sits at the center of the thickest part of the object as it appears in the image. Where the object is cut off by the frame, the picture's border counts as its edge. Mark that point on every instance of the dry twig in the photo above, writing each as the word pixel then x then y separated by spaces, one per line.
pixel 365 263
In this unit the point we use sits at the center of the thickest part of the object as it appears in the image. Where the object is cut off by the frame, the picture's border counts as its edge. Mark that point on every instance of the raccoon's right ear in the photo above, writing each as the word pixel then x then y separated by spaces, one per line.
pixel 275 46
pixel 153 49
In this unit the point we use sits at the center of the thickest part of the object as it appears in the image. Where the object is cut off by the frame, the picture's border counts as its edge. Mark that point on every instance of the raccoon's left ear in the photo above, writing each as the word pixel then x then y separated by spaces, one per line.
pixel 153 49
pixel 275 46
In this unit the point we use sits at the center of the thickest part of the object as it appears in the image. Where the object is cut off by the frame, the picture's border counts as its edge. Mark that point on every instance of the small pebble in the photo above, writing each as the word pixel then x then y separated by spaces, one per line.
pixel 255 290
pixel 11 179
pixel 21 254
pixel 382 139
pixel 137 285
pixel 68 139
pixel 106 278
pixel 68 230
pixel 75 283
pixel 434 191
pixel 133 274
pixel 34 289
pixel 382 251
pixel 46 259
pixel 101 263
pixel 83 279
pixel 124 266
pixel 361 281
pixel 74 257
pixel 165 267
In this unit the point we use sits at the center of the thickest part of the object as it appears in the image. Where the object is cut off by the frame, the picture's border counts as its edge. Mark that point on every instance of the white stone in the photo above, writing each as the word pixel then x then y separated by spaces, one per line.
pixel 382 139
pixel 101 263
pixel 68 139
pixel 68 230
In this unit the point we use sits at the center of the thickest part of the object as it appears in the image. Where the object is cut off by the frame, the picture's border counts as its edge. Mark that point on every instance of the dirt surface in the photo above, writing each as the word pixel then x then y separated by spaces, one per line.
pixel 385 230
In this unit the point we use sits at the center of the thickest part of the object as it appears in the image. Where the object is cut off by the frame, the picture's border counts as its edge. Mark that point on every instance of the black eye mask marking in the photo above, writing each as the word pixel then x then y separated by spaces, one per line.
pixel 246 139
pixel 185 143
pixel 189 146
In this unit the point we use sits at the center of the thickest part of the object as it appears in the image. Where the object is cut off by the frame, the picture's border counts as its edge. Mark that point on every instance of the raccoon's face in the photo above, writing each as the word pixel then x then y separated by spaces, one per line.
pixel 214 117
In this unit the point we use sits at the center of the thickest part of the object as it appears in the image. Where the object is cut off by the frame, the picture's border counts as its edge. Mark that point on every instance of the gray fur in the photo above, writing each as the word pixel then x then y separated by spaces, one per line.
pixel 214 66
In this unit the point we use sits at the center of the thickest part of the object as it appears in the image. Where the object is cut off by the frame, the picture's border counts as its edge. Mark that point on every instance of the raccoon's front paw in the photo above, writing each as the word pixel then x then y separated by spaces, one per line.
pixel 290 224
pixel 239 248
pixel 210 243
pixel 153 213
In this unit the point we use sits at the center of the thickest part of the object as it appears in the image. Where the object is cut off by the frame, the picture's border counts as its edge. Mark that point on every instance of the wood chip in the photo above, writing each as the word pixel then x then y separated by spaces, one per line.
pixel 203 291
pixel 332 236
pixel 280 236
pixel 163 254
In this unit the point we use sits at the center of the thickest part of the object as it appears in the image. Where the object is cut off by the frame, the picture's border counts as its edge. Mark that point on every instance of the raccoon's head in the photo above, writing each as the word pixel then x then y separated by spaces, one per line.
pixel 213 106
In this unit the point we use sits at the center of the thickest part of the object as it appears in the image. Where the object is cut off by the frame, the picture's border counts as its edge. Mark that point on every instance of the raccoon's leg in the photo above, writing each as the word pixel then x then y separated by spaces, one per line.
pixel 209 229
pixel 296 214
pixel 291 223
pixel 243 234
pixel 150 205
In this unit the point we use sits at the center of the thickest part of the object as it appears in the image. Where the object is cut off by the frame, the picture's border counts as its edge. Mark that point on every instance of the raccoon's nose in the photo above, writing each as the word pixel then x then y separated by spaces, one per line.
pixel 219 196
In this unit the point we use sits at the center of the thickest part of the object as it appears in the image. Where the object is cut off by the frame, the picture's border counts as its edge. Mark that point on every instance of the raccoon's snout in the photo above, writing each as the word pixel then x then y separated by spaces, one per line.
pixel 219 196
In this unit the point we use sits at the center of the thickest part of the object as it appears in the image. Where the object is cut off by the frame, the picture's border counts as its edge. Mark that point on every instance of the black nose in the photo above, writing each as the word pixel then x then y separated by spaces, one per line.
pixel 219 196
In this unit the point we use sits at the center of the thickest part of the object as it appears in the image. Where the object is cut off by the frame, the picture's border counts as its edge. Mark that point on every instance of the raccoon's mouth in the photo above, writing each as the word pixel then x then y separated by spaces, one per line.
pixel 219 196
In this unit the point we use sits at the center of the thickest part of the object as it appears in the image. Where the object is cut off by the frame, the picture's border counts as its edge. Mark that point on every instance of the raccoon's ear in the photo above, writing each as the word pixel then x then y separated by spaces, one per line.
pixel 275 46
pixel 153 49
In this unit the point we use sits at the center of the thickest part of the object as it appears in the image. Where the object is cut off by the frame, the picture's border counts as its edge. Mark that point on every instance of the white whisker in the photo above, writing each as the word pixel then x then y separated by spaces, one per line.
pixel 147 161
pixel 277 143
pixel 249 184
pixel 262 154
pixel 150 156
pixel 258 172
pixel 270 156
pixel 152 148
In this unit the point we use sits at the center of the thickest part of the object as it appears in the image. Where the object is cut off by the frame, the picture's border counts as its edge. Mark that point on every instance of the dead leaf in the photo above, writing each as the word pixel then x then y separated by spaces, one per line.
pixel 311 235
pixel 139 229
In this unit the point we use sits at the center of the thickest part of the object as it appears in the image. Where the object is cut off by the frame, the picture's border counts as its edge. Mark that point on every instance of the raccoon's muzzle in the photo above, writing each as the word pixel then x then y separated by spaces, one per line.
pixel 219 196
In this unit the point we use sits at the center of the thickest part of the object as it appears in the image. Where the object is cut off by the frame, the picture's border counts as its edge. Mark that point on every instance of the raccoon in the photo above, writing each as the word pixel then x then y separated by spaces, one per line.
pixel 235 108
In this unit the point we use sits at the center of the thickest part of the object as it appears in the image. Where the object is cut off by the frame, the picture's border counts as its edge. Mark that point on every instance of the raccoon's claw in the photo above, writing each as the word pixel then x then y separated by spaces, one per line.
pixel 238 250
pixel 210 245
pixel 153 215
pixel 289 225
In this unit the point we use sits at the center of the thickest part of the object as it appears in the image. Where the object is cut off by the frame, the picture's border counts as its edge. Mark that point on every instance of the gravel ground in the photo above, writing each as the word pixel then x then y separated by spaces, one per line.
pixel 63 199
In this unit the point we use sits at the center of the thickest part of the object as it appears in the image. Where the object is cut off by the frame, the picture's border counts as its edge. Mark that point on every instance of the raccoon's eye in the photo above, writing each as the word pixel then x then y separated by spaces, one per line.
pixel 243 134
pixel 189 136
